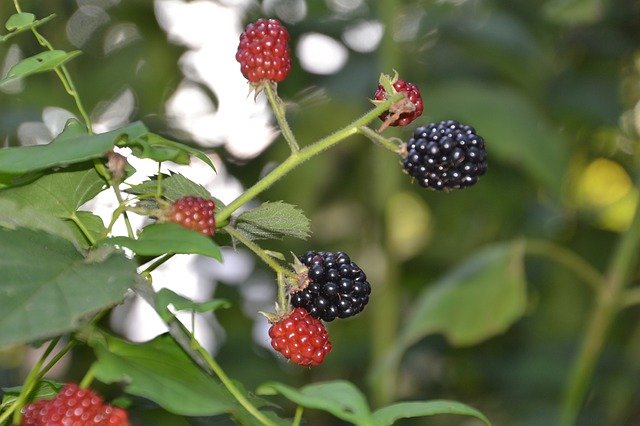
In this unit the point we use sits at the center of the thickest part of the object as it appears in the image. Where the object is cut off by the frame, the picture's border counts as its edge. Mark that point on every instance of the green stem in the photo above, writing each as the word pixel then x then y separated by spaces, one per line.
pixel 162 259
pixel 298 416
pixel 379 139
pixel 88 378
pixel 608 303
pixel 280 112
pixel 226 381
pixel 75 219
pixel 297 158
pixel 569 260
pixel 270 261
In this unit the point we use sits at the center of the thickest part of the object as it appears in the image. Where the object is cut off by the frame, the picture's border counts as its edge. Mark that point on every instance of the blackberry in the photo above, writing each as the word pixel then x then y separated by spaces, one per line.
pixel 337 287
pixel 445 155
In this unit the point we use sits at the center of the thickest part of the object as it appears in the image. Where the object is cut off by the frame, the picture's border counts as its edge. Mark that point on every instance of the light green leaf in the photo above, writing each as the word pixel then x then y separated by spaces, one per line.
pixel 59 193
pixel 166 297
pixel 91 223
pixel 402 410
pixel 73 145
pixel 274 221
pixel 174 187
pixel 477 300
pixel 161 238
pixel 160 371
pixel 48 287
pixel 45 389
pixel 19 20
pixel 45 61
pixel 159 148
pixel 340 398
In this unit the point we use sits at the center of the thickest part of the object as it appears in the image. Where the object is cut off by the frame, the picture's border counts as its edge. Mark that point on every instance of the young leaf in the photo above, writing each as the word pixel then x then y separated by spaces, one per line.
pixel 44 61
pixel 161 238
pixel 19 20
pixel 274 221
pixel 47 286
pixel 174 187
pixel 157 140
pixel 340 398
pixel 158 148
pixel 59 193
pixel 166 297
pixel 476 301
pixel 159 370
pixel 402 410
pixel 73 145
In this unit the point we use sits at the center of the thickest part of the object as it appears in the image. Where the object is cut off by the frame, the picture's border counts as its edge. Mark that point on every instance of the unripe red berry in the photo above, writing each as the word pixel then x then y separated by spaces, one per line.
pixel 301 338
pixel 195 213
pixel 413 95
pixel 263 51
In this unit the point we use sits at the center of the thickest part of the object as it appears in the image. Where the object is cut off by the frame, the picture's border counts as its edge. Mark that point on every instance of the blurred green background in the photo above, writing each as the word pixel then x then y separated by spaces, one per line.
pixel 551 86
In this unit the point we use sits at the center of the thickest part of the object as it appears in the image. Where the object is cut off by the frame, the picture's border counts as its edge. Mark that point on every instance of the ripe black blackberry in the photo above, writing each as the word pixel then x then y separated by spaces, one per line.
pixel 445 155
pixel 336 287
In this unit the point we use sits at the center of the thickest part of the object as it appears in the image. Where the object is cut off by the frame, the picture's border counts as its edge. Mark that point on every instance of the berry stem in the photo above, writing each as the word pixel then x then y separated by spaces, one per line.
pixel 88 378
pixel 277 105
pixel 379 139
pixel 608 304
pixel 299 157
pixel 298 416
pixel 270 261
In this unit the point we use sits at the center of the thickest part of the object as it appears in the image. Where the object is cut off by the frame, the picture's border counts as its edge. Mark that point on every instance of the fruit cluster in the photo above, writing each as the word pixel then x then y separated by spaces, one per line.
pixel 195 213
pixel 73 406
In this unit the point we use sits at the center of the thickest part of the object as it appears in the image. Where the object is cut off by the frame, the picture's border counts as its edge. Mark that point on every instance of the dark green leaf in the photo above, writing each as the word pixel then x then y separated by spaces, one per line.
pixel 45 61
pixel 274 220
pixel 158 148
pixel 157 140
pixel 166 297
pixel 340 398
pixel 91 223
pixel 13 216
pixel 174 187
pixel 161 238
pixel 19 20
pixel 48 287
pixel 476 301
pixel 59 193
pixel 160 371
pixel 402 410
pixel 73 145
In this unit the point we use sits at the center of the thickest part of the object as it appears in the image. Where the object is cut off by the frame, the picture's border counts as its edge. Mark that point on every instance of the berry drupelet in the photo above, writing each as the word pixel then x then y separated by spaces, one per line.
pixel 263 52
pixel 301 338
pixel 445 155
pixel 336 287
pixel 74 406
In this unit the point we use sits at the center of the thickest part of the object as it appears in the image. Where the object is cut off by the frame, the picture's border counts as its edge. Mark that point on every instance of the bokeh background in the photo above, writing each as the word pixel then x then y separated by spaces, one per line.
pixel 552 86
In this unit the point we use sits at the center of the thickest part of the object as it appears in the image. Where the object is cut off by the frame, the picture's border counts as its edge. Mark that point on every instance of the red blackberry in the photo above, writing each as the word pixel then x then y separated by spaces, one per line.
pixel 336 288
pixel 445 155
pixel 194 213
pixel 73 406
pixel 263 51
pixel 301 338
pixel 402 117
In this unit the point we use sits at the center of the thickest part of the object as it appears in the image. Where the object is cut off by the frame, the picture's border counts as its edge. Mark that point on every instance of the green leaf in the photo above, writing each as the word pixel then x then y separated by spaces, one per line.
pixel 45 389
pixel 42 62
pixel 19 20
pixel 174 187
pixel 477 300
pixel 403 410
pixel 161 238
pixel 91 223
pixel 73 145
pixel 340 398
pixel 48 287
pixel 158 148
pixel 13 216
pixel 59 193
pixel 526 140
pixel 274 220
pixel 166 297
pixel 160 371
pixel 574 12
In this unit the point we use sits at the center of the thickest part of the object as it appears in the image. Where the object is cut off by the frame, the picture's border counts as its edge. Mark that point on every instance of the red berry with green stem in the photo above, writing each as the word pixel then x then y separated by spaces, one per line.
pixel 301 338
pixel 263 52
pixel 408 111
pixel 74 406
pixel 195 213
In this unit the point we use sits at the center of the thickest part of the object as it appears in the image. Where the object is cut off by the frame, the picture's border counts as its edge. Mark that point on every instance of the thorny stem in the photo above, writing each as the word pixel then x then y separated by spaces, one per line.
pixel 280 112
pixel 379 139
pixel 299 157
pixel 608 303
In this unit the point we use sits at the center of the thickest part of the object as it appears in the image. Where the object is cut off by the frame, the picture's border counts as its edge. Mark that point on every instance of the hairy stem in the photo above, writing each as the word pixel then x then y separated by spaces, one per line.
pixel 299 157
pixel 280 112
pixel 608 303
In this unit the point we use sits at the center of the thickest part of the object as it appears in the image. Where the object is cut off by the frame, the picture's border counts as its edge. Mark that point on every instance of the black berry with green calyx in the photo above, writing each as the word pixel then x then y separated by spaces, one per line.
pixel 335 287
pixel 445 155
